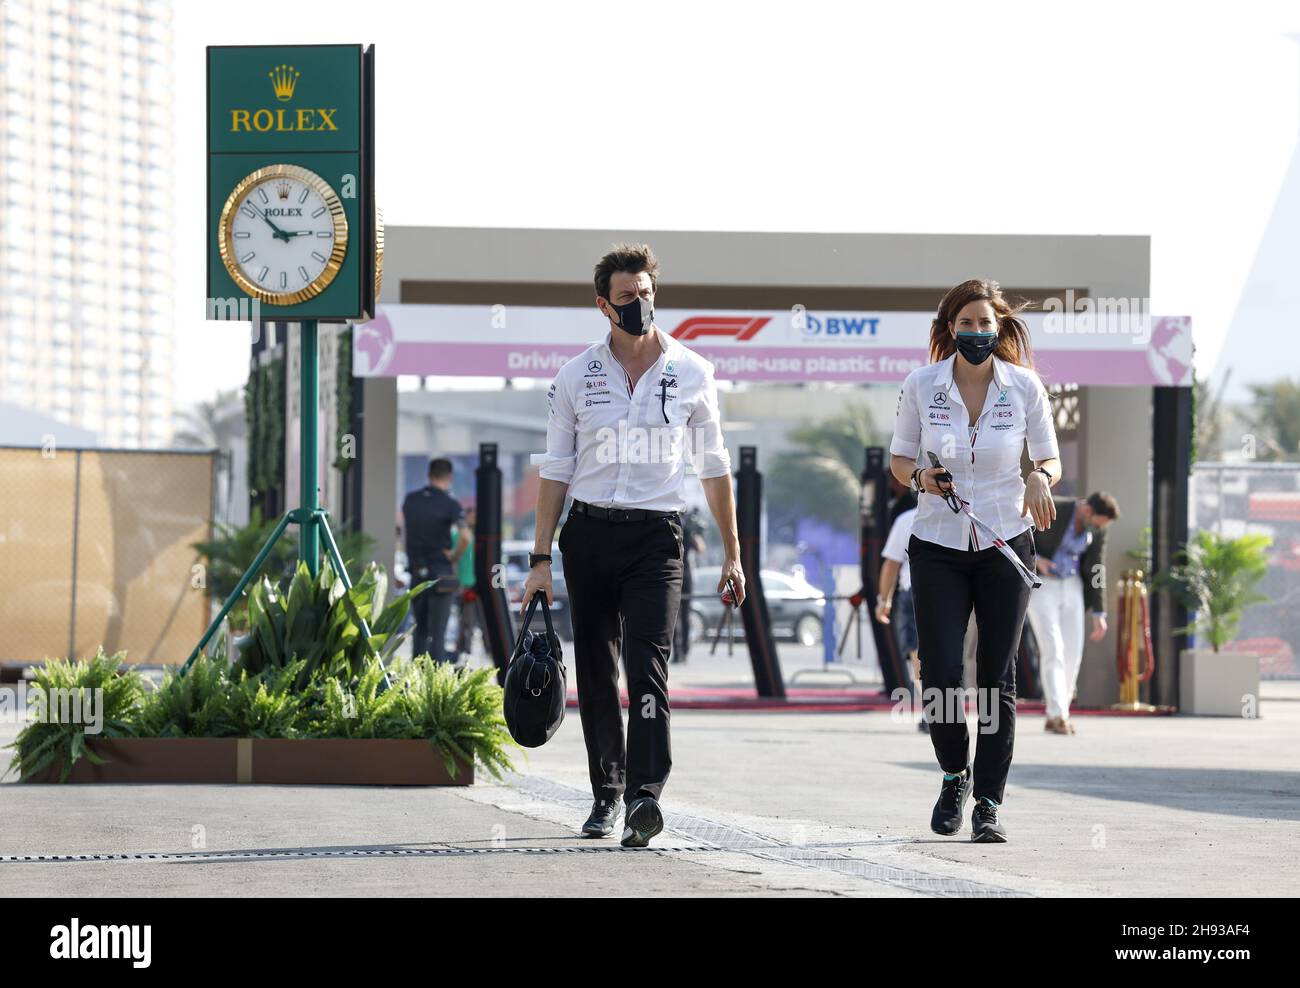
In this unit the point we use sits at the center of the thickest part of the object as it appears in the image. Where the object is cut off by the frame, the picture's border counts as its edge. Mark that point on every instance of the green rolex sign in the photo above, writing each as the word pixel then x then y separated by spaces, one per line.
pixel 291 214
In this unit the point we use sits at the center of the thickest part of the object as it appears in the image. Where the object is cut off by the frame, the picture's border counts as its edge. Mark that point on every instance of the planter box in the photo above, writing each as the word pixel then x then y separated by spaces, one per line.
pixel 266 761
pixel 1213 684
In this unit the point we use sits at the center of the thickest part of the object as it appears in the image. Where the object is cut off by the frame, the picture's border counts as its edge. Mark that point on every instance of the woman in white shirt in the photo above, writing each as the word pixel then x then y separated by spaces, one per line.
pixel 971 411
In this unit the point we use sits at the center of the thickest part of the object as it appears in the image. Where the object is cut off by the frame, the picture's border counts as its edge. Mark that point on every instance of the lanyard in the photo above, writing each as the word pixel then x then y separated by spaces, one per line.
pixel 959 503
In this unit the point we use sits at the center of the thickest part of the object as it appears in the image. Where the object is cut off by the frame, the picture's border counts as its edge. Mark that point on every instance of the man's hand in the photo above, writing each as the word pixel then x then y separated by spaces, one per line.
pixel 1098 627
pixel 539 578
pixel 883 607
pixel 731 571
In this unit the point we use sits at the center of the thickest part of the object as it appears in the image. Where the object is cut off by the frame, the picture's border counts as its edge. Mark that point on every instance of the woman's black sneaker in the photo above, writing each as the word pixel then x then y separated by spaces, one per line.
pixel 948 814
pixel 986 828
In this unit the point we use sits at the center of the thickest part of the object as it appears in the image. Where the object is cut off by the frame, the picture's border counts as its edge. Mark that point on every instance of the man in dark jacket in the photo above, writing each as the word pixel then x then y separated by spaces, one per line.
pixel 428 516
pixel 1071 559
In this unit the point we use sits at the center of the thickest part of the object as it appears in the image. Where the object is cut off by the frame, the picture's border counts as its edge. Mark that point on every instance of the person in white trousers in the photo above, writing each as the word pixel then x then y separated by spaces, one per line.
pixel 1071 562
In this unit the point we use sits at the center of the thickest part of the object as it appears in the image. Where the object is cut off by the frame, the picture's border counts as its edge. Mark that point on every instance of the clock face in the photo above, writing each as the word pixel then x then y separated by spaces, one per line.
pixel 283 234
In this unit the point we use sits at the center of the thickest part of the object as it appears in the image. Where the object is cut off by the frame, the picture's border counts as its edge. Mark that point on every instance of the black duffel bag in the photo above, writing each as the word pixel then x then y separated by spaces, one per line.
pixel 535 687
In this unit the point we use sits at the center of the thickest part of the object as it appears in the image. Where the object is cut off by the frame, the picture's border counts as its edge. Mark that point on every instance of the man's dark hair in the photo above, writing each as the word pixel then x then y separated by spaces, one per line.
pixel 1104 504
pixel 439 468
pixel 632 258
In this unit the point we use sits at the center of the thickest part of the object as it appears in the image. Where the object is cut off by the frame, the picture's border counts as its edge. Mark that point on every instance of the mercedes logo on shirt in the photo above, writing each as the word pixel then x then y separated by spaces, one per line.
pixel 940 398
pixel 594 366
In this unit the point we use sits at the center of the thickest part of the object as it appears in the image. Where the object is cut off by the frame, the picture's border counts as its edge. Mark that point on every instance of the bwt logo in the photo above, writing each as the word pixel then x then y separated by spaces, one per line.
pixel 840 325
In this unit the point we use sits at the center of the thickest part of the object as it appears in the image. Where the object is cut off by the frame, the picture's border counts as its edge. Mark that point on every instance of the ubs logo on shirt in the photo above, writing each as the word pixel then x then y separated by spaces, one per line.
pixel 597 384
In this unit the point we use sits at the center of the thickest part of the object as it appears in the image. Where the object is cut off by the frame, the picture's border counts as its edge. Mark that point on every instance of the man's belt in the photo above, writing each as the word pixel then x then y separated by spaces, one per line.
pixel 618 514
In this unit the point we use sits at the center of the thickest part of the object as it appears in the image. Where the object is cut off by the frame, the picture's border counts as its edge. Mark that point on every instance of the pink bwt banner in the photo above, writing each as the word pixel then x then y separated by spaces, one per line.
pixel 879 347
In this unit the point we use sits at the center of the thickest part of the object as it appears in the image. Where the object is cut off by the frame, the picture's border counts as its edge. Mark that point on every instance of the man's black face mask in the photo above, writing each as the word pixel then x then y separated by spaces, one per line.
pixel 636 316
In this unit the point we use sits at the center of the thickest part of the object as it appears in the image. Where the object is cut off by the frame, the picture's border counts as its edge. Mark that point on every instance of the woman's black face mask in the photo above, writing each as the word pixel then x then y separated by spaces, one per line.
pixel 635 317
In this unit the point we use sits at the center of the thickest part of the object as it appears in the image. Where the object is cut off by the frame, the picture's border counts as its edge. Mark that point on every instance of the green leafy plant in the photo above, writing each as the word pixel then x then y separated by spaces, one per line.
pixel 229 555
pixel 318 621
pixel 1215 576
pixel 51 740
pixel 459 711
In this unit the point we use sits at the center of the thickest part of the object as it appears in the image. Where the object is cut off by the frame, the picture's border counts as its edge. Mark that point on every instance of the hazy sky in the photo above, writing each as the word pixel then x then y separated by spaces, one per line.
pixel 1175 120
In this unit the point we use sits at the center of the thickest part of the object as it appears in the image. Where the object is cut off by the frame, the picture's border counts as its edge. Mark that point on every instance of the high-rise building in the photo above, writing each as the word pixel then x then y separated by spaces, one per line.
pixel 86 330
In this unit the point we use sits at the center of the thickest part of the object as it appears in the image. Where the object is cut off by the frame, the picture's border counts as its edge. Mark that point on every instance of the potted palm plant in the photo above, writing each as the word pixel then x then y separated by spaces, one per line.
pixel 1215 579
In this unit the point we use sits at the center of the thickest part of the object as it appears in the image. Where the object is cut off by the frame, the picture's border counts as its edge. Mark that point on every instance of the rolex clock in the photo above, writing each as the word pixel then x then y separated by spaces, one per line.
pixel 282 234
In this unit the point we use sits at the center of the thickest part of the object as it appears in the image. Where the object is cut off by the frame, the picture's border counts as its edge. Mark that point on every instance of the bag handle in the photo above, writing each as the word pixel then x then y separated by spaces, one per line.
pixel 538 595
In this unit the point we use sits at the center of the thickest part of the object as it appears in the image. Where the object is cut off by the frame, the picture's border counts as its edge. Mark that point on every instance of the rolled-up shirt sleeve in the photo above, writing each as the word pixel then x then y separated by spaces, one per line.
pixel 708 451
pixel 1040 430
pixel 561 458
pixel 907 423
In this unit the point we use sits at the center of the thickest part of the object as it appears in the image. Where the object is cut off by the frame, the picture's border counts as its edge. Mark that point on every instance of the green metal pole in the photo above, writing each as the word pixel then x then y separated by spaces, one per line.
pixel 309 400
pixel 239 589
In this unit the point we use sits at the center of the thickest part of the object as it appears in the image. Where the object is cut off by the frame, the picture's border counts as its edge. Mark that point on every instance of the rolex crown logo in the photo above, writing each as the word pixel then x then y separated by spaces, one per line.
pixel 282 189
pixel 284 78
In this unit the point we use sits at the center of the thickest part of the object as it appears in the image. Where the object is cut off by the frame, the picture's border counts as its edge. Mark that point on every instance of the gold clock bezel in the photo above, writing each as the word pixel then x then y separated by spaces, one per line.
pixel 225 239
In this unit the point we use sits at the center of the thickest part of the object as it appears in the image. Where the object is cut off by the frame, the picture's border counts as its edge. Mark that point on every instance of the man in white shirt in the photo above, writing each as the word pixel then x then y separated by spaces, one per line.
pixel 626 416
pixel 894 607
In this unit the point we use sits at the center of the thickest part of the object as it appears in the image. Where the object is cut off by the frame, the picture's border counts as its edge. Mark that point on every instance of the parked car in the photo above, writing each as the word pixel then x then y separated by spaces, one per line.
pixel 514 554
pixel 795 606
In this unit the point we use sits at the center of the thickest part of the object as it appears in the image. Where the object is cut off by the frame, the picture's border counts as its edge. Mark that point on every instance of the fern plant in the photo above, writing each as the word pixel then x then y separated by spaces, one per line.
pixel 459 711
pixel 50 740
pixel 365 710
pixel 269 705
pixel 196 705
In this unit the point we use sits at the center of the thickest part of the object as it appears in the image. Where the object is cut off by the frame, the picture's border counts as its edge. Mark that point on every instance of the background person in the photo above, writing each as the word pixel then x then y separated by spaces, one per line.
pixel 428 516
pixel 467 597
pixel 1071 556
pixel 975 406
pixel 894 606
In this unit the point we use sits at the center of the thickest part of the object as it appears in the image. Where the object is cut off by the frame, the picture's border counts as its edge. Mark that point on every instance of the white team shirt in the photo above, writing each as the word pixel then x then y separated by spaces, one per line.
pixel 984 459
pixel 631 450
pixel 896 546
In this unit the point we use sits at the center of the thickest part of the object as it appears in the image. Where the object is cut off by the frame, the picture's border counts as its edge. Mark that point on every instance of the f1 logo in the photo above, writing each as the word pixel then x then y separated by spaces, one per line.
pixel 738 327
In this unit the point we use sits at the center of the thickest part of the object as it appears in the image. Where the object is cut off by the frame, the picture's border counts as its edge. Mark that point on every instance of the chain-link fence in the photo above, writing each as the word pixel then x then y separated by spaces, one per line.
pixel 1233 499
pixel 95 549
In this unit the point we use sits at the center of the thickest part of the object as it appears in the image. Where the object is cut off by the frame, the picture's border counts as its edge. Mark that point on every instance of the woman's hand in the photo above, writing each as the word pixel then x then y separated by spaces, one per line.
pixel 1038 502
pixel 930 484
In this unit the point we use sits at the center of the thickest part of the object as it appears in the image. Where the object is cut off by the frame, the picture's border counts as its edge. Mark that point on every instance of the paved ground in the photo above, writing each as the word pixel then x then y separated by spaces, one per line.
pixel 772 803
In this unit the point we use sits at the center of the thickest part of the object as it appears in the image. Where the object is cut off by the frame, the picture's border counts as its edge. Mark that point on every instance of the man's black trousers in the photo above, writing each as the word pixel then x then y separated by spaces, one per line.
pixel 946 584
pixel 432 611
pixel 625 585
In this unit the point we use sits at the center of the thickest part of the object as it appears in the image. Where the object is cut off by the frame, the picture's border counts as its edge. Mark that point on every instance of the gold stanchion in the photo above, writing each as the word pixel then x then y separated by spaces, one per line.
pixel 1134 637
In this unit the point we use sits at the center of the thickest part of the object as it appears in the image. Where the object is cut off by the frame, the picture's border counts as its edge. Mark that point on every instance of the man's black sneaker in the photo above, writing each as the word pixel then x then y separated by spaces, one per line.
pixel 986 828
pixel 604 813
pixel 948 811
pixel 642 821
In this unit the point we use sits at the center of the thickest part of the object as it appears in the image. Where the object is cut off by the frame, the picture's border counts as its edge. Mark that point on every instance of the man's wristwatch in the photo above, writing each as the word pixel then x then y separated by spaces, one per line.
pixel 915 485
pixel 537 557
pixel 1045 472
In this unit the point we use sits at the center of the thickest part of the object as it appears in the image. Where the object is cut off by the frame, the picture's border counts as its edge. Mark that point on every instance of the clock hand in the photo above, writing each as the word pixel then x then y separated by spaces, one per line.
pixel 279 234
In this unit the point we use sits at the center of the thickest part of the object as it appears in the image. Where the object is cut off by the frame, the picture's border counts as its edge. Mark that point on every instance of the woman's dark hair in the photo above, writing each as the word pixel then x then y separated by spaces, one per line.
pixel 1013 334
